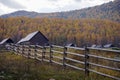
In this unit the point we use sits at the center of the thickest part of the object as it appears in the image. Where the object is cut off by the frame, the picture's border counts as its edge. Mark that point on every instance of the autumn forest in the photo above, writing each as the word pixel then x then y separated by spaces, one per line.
pixel 82 32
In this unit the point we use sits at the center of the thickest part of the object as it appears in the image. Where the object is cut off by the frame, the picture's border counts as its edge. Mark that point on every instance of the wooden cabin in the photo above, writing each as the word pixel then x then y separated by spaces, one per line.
pixel 6 41
pixel 108 46
pixel 35 38
pixel 96 46
pixel 70 45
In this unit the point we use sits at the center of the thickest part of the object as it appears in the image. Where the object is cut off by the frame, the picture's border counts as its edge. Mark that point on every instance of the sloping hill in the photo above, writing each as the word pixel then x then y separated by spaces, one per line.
pixel 109 11
pixel 20 13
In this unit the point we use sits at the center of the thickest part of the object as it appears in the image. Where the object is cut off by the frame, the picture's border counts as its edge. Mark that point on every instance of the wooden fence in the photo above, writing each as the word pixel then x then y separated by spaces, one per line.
pixel 94 60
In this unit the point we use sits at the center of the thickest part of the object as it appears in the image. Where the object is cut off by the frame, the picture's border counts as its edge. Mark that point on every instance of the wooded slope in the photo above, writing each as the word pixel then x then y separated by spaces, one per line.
pixel 62 31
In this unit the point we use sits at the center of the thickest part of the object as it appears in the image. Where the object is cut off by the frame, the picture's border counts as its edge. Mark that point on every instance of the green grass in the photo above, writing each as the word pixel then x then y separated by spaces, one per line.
pixel 16 67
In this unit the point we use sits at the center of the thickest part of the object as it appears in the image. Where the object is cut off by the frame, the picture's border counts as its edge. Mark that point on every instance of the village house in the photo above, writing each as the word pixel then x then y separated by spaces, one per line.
pixel 35 38
pixel 6 41
pixel 70 45
pixel 109 46
pixel 96 46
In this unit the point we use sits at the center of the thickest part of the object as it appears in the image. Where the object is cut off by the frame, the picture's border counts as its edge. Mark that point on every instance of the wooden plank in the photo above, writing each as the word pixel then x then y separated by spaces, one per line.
pixel 47 46
pixel 102 66
pixel 106 75
pixel 57 57
pixel 54 51
pixel 75 60
pixel 38 59
pixel 39 55
pixel 39 46
pixel 46 60
pixel 102 49
pixel 57 62
pixel 76 54
pixel 82 49
pixel 39 50
pixel 100 57
pixel 75 67
pixel 57 46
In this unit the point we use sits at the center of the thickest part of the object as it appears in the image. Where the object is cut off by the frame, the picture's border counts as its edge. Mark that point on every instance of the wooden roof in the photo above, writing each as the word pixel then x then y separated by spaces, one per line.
pixel 28 37
pixel 6 41
pixel 31 36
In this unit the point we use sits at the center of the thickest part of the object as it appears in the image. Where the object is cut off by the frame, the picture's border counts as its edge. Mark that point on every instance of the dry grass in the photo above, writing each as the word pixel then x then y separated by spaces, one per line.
pixel 15 67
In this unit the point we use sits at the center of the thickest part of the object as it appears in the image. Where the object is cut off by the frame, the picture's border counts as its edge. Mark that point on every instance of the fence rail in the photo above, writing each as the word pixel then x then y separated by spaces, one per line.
pixel 61 56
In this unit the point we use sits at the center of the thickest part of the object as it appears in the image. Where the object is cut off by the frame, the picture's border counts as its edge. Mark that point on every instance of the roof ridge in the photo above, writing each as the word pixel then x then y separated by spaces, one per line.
pixel 29 36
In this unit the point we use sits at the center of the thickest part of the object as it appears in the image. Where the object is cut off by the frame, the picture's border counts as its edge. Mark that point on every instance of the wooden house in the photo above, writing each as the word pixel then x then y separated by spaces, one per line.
pixel 6 41
pixel 93 46
pixel 108 46
pixel 96 46
pixel 70 45
pixel 35 38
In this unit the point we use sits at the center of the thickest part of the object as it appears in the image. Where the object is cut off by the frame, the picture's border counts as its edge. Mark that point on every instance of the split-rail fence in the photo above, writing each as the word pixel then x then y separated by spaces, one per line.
pixel 89 60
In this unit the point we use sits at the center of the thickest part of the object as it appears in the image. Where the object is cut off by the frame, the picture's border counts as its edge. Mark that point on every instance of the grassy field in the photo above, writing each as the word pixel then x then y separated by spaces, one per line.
pixel 16 67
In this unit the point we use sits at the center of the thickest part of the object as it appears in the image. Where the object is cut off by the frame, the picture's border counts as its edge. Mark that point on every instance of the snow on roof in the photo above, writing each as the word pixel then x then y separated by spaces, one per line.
pixel 28 37
pixel 3 41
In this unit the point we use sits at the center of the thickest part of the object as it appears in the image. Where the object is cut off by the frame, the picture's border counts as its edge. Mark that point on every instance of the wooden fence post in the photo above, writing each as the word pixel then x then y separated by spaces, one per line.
pixel 35 50
pixel 13 47
pixel 86 62
pixel 22 49
pixel 64 56
pixel 29 50
pixel 17 49
pixel 9 47
pixel 43 53
pixel 51 53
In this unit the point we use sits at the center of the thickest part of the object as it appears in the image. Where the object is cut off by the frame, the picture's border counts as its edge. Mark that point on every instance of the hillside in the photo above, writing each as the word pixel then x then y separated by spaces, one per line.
pixel 109 11
pixel 62 31
pixel 21 13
